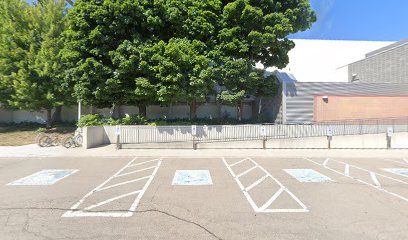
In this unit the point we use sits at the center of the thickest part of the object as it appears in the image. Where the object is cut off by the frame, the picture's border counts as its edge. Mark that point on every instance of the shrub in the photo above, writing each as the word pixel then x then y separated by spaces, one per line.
pixel 134 120
pixel 90 120
pixel 41 130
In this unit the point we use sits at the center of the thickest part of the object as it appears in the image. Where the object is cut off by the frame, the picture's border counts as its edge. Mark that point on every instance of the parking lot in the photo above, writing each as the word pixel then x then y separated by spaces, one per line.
pixel 248 197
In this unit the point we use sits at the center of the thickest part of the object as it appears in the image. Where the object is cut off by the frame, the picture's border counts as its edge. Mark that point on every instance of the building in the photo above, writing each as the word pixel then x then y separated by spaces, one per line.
pixel 324 80
pixel 385 65
pixel 375 86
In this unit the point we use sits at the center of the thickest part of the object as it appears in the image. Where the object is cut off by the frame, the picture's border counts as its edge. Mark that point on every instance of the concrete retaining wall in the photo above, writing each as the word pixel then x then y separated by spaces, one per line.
pixel 102 135
pixel 93 137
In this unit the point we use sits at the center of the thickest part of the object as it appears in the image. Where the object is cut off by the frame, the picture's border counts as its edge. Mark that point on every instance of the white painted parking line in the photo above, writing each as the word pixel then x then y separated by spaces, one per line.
pixel 256 183
pixel 75 211
pixel 362 181
pixel 307 175
pixel 44 178
pixel 368 171
pixel 241 161
pixel 347 170
pixel 326 161
pixel 132 172
pixel 375 180
pixel 123 183
pixel 403 162
pixel 399 171
pixel 264 208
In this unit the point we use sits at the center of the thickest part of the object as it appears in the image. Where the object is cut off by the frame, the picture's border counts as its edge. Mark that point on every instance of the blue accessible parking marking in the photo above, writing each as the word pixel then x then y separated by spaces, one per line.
pixel 307 175
pixel 192 177
pixel 398 171
pixel 45 177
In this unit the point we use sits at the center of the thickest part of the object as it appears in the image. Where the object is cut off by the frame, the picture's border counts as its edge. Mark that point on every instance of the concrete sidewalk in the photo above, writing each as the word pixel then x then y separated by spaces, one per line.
pixel 110 151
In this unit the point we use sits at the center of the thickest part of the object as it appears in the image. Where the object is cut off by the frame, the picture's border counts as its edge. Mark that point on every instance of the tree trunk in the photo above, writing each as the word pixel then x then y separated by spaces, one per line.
pixel 115 111
pixel 240 111
pixel 219 110
pixel 193 109
pixel 254 108
pixel 56 117
pixel 49 118
pixel 142 110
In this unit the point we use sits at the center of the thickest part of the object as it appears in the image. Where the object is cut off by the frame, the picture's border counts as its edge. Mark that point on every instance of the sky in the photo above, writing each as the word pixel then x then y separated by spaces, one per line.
pixel 369 20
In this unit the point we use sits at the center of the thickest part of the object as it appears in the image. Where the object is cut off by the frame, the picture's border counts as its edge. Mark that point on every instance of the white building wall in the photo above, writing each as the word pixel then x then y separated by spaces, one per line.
pixel 326 60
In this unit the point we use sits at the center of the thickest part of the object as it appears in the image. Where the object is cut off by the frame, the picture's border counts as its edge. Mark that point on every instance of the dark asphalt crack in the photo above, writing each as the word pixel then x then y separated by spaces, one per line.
pixel 141 211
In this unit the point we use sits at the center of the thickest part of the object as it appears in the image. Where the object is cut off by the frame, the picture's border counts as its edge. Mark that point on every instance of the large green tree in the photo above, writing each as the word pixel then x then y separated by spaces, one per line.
pixel 14 44
pixel 164 51
pixel 32 74
pixel 251 32
pixel 101 49
pixel 180 71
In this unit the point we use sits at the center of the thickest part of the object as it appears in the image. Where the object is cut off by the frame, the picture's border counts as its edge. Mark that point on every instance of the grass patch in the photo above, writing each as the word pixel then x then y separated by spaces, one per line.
pixel 25 133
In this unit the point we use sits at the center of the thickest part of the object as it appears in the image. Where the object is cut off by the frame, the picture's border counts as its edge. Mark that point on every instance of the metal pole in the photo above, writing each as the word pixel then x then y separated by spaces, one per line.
pixel 79 110
pixel 264 143
pixel 117 142
pixel 329 138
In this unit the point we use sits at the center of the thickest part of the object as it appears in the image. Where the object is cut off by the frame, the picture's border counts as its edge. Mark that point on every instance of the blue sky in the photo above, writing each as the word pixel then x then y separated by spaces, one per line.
pixel 375 20
pixel 372 20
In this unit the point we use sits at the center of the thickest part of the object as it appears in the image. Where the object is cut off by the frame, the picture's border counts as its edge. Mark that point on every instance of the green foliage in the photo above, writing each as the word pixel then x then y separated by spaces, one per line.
pixel 31 73
pixel 135 119
pixel 41 130
pixel 132 52
pixel 254 32
pixel 98 120
pixel 90 120
pixel 101 49
pixel 179 69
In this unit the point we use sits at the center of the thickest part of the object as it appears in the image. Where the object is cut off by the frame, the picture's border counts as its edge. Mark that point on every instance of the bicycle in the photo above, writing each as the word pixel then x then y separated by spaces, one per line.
pixel 44 140
pixel 75 140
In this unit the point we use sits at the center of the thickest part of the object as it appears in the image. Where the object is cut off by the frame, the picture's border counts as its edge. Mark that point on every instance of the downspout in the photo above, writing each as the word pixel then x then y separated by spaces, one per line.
pixel 284 102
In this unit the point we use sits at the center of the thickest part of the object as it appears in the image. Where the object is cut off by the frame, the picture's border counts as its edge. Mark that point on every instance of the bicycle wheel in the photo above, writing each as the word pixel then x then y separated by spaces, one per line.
pixel 78 140
pixel 45 141
pixel 37 138
pixel 68 142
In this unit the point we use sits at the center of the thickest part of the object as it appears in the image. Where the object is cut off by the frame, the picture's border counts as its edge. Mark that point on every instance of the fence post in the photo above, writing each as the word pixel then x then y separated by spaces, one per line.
pixel 263 135
pixel 344 129
pixel 329 133
pixel 117 133
pixel 389 134
pixel 378 126
pixel 193 134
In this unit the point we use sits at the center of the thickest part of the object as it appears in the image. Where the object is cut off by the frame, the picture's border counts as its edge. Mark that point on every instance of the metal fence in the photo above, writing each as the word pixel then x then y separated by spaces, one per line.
pixel 226 133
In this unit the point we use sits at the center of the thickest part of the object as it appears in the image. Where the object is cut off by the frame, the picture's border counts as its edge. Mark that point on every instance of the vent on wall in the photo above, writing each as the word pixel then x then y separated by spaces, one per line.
pixel 354 78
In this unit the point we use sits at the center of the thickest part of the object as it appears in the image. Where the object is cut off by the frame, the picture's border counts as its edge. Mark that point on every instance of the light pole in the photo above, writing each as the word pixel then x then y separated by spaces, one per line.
pixel 79 110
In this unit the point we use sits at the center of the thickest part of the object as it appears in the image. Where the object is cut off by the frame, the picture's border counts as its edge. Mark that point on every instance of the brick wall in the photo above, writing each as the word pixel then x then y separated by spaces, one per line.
pixel 359 107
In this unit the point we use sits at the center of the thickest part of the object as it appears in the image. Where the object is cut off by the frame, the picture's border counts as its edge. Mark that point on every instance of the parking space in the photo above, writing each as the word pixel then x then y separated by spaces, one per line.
pixel 204 198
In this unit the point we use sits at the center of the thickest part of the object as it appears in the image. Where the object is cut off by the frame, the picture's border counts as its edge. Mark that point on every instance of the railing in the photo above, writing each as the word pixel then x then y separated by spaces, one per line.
pixel 226 133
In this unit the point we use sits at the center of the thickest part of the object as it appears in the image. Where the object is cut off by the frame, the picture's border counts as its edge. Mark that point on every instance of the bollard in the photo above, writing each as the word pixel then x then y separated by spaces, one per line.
pixel 118 131
pixel 390 132
pixel 329 133
pixel 329 138
pixel 193 134
pixel 194 143
pixel 117 142
pixel 264 143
